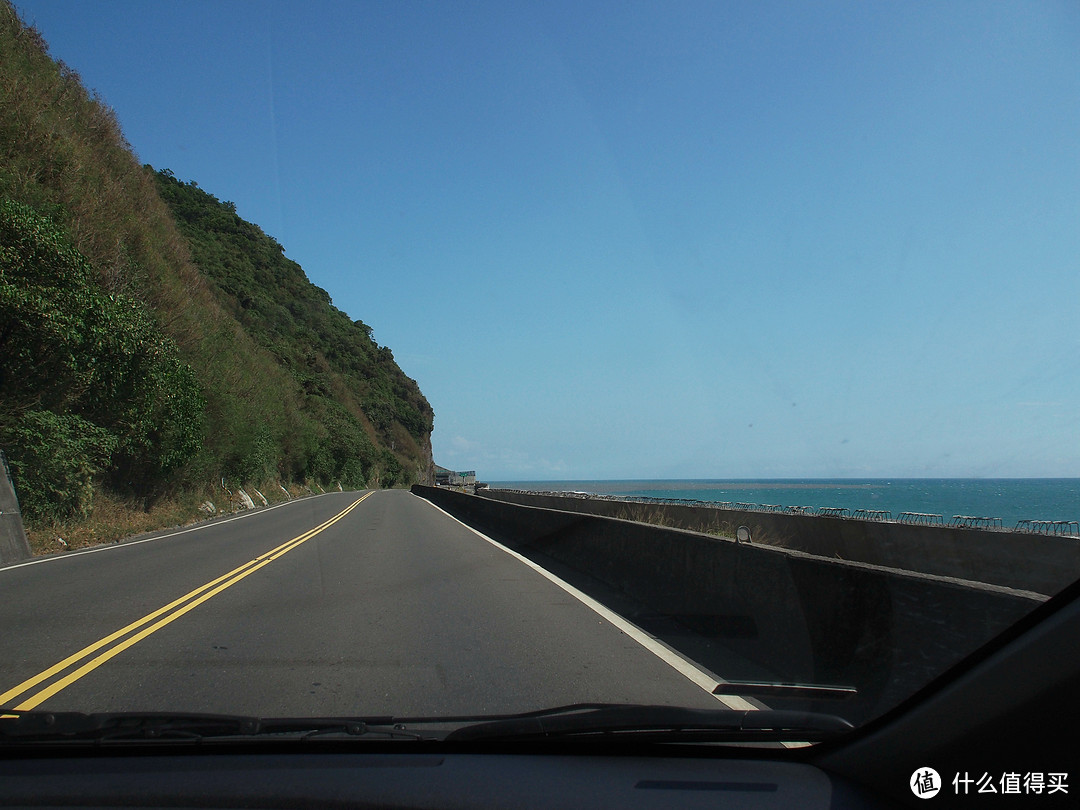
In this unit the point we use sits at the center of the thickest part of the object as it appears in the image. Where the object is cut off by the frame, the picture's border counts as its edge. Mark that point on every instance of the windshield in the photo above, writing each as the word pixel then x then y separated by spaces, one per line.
pixel 369 360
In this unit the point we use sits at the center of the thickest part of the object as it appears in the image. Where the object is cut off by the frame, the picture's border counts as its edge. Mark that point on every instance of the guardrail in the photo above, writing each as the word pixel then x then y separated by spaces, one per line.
pixel 872 514
pixel 975 522
pixel 921 518
pixel 834 511
pixel 1061 527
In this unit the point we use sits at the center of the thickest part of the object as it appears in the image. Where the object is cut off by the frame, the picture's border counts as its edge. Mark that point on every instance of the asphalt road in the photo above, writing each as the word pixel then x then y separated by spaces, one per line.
pixel 391 608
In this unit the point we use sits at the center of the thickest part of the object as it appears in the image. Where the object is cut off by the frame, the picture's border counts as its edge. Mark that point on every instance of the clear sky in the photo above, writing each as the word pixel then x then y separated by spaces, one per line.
pixel 664 239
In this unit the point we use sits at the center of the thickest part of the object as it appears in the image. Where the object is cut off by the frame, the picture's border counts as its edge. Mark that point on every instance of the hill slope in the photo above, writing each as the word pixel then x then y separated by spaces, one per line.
pixel 151 341
pixel 342 377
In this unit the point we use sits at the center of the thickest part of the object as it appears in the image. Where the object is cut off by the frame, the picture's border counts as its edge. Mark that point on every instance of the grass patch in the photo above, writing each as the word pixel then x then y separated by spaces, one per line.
pixel 112 519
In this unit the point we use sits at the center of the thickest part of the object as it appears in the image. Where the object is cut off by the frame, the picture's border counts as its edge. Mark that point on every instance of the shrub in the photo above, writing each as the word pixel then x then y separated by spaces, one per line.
pixel 96 362
pixel 54 460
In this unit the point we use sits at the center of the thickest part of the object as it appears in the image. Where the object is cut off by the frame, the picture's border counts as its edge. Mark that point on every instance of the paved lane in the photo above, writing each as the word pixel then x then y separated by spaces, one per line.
pixel 54 606
pixel 395 608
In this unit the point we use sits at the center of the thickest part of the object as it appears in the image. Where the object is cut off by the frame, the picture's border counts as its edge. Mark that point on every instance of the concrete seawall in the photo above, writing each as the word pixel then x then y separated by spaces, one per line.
pixel 1033 562
pixel 751 612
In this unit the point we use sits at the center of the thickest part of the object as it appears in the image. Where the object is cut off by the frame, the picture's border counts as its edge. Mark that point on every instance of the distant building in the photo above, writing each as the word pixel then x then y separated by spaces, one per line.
pixel 451 478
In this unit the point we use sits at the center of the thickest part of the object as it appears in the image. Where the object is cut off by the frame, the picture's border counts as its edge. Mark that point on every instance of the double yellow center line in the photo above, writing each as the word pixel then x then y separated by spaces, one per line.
pixel 163 616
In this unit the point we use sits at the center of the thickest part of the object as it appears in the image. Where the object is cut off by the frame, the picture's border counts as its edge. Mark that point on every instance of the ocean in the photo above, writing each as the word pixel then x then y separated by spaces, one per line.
pixel 1009 500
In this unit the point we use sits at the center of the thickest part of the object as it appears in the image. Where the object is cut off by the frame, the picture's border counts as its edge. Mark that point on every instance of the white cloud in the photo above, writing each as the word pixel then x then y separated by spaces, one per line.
pixel 462 445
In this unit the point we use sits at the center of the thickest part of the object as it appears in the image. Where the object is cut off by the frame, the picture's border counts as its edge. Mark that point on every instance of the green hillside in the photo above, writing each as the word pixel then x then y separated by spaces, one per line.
pixel 154 347
pixel 342 376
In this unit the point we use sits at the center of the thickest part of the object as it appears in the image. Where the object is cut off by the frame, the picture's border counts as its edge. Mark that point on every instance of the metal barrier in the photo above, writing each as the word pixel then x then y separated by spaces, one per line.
pixel 1063 527
pixel 834 511
pixel 975 522
pixel 872 514
pixel 921 518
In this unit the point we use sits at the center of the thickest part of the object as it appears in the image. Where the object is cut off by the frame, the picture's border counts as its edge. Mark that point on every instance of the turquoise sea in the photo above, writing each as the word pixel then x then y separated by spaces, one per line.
pixel 1010 500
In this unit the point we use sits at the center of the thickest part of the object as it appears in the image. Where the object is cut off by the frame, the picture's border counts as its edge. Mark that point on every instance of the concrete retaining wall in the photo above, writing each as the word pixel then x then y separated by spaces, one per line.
pixel 750 612
pixel 13 544
pixel 1040 563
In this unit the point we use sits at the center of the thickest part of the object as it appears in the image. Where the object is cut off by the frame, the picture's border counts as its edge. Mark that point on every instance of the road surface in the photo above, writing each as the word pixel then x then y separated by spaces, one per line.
pixel 345 604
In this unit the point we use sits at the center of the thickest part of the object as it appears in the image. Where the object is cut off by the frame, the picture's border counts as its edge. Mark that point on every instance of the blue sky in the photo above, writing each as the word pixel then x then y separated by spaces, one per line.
pixel 640 240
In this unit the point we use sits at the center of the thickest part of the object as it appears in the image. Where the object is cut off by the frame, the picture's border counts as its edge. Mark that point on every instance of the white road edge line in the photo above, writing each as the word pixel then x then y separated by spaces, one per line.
pixel 114 546
pixel 672 659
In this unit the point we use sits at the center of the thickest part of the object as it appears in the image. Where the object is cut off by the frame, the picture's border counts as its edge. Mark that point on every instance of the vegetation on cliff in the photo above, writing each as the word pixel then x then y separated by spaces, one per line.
pixel 342 380
pixel 154 343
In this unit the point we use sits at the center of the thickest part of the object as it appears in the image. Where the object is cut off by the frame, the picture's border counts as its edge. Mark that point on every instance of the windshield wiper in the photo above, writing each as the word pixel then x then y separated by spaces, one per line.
pixel 26 727
pixel 656 724
pixel 584 721
pixel 37 726
pixel 797 690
